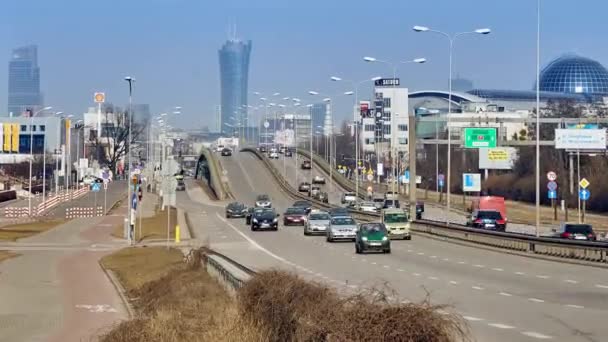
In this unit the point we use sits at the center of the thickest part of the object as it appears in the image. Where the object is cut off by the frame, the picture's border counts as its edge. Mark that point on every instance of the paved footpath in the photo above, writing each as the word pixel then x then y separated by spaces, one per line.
pixel 56 290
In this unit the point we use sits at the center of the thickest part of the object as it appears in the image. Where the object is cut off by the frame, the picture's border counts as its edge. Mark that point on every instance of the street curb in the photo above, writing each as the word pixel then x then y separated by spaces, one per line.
pixel 119 288
pixel 186 234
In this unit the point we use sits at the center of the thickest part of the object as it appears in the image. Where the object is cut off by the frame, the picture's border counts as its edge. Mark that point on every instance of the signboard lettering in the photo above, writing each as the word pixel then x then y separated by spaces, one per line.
pixel 584 139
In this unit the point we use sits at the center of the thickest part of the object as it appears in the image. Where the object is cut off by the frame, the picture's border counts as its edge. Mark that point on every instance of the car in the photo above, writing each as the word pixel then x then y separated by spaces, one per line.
pixel 282 149
pixel 378 202
pixel 288 153
pixel 342 228
pixel 306 165
pixel 397 223
pixel 419 210
pixel 321 196
pixel 226 152
pixel 304 187
pixel 264 218
pixel 391 195
pixel 487 219
pixel 89 179
pixel 334 212
pixel 219 148
pixel 372 237
pixel 181 186
pixel 263 201
pixel 294 215
pixel 263 149
pixel 273 155
pixel 368 207
pixel 236 209
pixel 318 180
pixel 303 204
pixel 391 204
pixel 349 197
pixel 575 231
pixel 314 189
pixel 317 222
pixel 273 149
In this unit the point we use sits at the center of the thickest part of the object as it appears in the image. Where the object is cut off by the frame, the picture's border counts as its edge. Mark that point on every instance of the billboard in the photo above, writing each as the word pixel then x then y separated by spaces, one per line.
pixel 15 137
pixel 387 82
pixel 285 137
pixel 581 139
pixel 364 109
pixel 471 182
pixel 6 146
pixel 500 158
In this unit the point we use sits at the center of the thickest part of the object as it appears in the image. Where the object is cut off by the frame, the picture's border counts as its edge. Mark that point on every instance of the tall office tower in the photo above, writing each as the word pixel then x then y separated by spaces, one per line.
pixel 24 81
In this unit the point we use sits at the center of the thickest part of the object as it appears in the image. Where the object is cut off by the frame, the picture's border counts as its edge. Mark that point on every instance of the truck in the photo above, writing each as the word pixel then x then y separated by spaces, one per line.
pixel 496 203
pixel 397 223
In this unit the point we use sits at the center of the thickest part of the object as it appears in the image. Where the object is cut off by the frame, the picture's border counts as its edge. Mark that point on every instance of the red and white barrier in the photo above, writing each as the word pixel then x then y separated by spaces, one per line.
pixel 83 212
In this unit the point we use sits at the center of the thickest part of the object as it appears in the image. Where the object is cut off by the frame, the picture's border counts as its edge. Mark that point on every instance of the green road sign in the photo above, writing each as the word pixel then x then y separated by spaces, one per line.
pixel 475 137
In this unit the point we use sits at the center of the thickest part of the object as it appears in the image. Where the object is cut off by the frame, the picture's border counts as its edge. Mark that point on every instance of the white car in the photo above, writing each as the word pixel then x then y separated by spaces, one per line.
pixel 368 207
pixel 273 155
pixel 391 195
pixel 318 180
pixel 349 197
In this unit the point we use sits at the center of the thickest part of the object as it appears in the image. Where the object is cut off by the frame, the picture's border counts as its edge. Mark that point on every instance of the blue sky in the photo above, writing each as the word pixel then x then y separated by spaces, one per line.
pixel 170 46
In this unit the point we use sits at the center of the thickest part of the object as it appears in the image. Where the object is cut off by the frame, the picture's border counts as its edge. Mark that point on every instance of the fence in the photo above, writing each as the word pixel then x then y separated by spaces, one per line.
pixel 51 202
pixel 83 212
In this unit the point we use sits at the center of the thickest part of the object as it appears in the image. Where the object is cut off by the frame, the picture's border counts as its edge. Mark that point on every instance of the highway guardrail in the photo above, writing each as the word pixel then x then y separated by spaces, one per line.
pixel 216 182
pixel 596 252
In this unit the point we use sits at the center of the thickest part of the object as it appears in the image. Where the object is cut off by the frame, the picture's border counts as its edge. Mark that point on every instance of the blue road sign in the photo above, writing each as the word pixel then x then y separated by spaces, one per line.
pixel 407 175
pixel 95 187
pixel 468 180
pixel 441 183
pixel 584 194
pixel 134 201
pixel 552 194
pixel 552 186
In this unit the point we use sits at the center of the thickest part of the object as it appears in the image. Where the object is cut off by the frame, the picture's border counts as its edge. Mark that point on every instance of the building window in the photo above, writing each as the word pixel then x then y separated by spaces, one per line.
pixel 402 141
pixel 23 128
pixel 42 128
pixel 402 128
pixel 369 141
pixel 386 115
pixel 387 102
pixel 386 129
pixel 33 127
pixel 369 128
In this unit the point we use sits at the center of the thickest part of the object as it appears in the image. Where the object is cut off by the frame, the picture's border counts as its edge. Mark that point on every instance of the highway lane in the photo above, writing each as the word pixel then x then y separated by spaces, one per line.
pixel 500 294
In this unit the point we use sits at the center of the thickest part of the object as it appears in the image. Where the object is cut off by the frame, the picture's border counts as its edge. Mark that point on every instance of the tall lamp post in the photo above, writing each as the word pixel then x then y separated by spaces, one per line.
pixel 127 169
pixel 29 198
pixel 451 39
pixel 538 118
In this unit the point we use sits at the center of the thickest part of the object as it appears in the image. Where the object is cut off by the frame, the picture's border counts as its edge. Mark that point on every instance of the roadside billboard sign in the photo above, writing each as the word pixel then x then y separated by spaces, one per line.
pixel 479 137
pixel 500 158
pixel 471 182
pixel 99 97
pixel 581 139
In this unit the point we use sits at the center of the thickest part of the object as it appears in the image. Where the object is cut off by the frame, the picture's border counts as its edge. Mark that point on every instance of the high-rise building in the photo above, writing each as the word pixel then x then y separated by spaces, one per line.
pixel 317 113
pixel 24 81
pixel 234 70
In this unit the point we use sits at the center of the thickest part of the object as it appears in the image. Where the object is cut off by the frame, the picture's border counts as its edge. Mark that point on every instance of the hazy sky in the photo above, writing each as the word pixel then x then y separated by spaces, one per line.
pixel 170 46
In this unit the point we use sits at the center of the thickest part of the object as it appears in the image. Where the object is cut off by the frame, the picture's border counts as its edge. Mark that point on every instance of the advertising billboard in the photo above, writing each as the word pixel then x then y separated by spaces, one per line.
pixel 500 158
pixel 581 139
pixel 364 109
pixel 471 182
pixel 15 137
pixel 6 146
pixel 285 137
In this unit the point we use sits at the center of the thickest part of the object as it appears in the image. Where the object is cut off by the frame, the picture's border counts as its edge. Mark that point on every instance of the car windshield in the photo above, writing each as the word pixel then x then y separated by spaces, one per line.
pixel 296 211
pixel 263 198
pixel 395 218
pixel 372 228
pixel 579 229
pixel 349 194
pixel 492 215
pixel 340 221
pixel 319 217
pixel 301 204
pixel 368 204
pixel 266 214
pixel 379 200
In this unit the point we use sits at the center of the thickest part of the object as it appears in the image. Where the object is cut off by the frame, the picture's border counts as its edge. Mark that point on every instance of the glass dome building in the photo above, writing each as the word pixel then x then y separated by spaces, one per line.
pixel 574 74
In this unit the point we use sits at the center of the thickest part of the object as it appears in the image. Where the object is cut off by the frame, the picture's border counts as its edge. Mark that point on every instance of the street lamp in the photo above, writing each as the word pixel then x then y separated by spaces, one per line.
pixel 329 136
pixel 451 39
pixel 29 198
pixel 127 168
pixel 356 93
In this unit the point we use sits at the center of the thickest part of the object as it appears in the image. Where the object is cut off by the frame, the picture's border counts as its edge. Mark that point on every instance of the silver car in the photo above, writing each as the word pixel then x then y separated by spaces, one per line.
pixel 368 207
pixel 342 228
pixel 317 223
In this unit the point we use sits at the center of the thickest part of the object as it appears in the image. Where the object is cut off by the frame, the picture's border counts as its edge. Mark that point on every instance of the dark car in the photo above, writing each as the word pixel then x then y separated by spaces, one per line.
pixel 391 203
pixel 236 209
pixel 181 186
pixel 226 152
pixel 303 204
pixel 306 165
pixel 264 218
pixel 487 219
pixel 288 153
pixel 419 210
pixel 263 149
pixel 295 216
pixel 321 196
pixel 372 237
pixel 304 187
pixel 334 212
pixel 574 231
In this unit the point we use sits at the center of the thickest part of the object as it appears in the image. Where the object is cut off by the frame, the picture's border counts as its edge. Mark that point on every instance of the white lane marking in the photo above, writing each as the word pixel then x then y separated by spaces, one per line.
pixel 462 262
pixel 319 275
pixel 364 260
pixel 536 335
pixel 479 266
pixel 386 266
pixel 251 241
pixel 477 288
pixel 400 270
pixel 416 274
pixel 433 278
pixel 501 326
pixel 497 269
pixel 505 294
pixel 433 257
pixel 453 282
pixel 575 306
pixel 472 319
pixel 374 263
pixel 420 253
pixel 410 251
pixel 600 286
pixel 446 259
pixel 520 273
pixel 571 281
pixel 542 276
pixel 224 237
pixel 97 308
pixel 536 300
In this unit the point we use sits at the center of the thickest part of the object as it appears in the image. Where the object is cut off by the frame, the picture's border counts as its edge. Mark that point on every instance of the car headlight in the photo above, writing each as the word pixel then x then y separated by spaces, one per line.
pixel 255 220
pixel 364 238
pixel 275 220
pixel 384 238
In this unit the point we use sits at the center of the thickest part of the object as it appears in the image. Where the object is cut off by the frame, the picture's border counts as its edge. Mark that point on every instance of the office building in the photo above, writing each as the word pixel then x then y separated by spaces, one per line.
pixel 317 112
pixel 234 69
pixel 16 133
pixel 24 81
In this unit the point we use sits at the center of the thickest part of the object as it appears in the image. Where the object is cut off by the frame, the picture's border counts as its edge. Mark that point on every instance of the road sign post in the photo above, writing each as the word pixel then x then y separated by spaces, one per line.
pixel 479 137
pixel 584 196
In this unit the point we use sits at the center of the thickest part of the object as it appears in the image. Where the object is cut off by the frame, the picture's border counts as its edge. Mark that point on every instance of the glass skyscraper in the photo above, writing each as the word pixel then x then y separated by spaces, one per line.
pixel 234 70
pixel 24 80
pixel 317 113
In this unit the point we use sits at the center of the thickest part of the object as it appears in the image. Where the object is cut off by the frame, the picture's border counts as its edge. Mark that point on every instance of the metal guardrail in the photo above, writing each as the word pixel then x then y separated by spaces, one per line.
pixel 596 252
pixel 217 184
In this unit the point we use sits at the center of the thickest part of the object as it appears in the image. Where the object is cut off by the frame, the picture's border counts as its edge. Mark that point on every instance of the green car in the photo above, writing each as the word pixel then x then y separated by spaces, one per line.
pixel 372 237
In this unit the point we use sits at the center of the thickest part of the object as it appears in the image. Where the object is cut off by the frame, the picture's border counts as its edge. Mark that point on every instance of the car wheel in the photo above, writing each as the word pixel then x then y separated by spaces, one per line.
pixel 387 251
pixel 357 249
pixel 419 217
pixel 408 237
pixel 253 229
pixel 305 232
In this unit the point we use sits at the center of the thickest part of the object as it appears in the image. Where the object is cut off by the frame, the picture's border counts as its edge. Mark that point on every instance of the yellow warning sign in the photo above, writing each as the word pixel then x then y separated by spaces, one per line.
pixel 496 154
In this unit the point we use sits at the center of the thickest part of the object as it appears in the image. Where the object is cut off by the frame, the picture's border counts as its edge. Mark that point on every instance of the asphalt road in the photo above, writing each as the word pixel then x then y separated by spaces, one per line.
pixel 503 297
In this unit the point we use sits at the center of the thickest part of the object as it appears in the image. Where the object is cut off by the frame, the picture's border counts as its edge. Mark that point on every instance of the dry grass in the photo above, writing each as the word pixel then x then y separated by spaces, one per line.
pixel 19 231
pixel 152 228
pixel 176 302
pixel 4 255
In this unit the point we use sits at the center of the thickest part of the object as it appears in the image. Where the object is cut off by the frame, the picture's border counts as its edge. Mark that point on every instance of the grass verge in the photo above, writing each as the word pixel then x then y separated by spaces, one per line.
pixel 4 255
pixel 154 227
pixel 174 301
pixel 19 231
